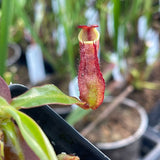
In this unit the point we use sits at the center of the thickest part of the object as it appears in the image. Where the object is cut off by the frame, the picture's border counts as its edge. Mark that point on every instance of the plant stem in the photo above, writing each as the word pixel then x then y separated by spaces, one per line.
pixel 116 13
pixel 107 111
pixel 7 13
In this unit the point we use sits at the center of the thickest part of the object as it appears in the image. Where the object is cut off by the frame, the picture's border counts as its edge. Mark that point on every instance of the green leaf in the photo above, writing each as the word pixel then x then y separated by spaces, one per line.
pixel 33 135
pixel 116 13
pixel 7 14
pixel 10 132
pixel 76 115
pixel 22 3
pixel 47 94
pixel 3 104
pixel 1 150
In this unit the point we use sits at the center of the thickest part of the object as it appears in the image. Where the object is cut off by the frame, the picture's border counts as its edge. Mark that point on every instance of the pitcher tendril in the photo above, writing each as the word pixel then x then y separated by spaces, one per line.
pixel 90 80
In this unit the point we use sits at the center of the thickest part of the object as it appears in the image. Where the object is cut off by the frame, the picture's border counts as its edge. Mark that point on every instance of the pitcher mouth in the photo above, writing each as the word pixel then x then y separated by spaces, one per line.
pixel 88 34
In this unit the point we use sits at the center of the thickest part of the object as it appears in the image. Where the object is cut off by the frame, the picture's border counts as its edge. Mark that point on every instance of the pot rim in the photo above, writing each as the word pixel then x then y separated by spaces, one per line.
pixel 140 131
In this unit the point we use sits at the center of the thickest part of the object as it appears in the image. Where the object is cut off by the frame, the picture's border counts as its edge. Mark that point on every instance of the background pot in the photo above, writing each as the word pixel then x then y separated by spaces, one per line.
pixel 128 148
pixel 14 54
pixel 61 135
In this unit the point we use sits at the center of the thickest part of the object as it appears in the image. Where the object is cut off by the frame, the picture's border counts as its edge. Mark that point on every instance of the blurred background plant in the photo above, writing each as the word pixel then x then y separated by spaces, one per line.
pixel 129 40
pixel 136 43
pixel 129 37
pixel 51 24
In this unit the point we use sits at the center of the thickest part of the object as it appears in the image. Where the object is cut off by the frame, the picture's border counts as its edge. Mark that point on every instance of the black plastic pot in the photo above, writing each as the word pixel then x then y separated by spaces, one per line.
pixel 154 117
pixel 61 135
pixel 150 148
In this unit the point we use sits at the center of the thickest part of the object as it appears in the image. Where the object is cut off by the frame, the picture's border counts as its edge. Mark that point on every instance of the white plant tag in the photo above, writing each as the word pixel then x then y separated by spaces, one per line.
pixel 152 42
pixel 74 90
pixel 35 64
pixel 117 76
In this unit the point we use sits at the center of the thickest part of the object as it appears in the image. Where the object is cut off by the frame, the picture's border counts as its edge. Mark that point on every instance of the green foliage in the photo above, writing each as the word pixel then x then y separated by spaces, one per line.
pixel 10 132
pixel 1 150
pixel 33 135
pixel 116 15
pixel 76 115
pixel 20 13
pixel 6 19
pixel 38 96
pixel 31 132
pixel 69 16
